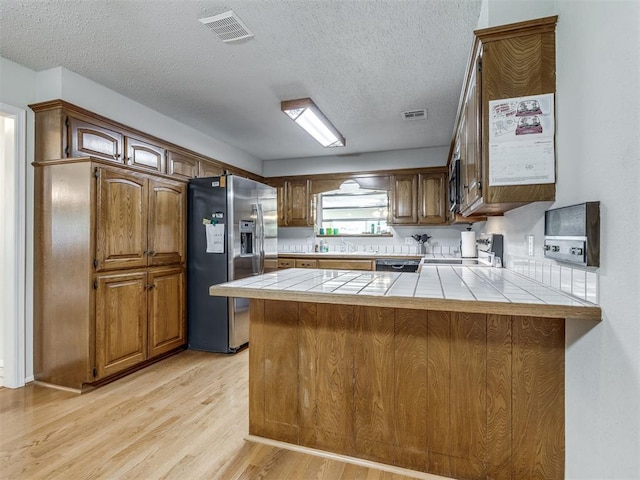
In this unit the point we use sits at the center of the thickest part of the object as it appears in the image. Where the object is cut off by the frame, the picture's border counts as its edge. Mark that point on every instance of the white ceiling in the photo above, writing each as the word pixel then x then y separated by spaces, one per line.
pixel 363 62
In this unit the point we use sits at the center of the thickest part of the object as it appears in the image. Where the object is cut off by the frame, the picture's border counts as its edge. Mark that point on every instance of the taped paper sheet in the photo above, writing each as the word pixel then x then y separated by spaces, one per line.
pixel 215 237
pixel 521 140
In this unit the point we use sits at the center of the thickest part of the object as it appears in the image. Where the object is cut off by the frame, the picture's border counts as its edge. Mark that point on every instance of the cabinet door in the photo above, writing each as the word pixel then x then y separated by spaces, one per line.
pixel 431 195
pixel 167 222
pixel 121 322
pixel 166 310
pixel 471 162
pixel 144 154
pixel 298 203
pixel 404 199
pixel 302 263
pixel 89 140
pixel 208 169
pixel 182 166
pixel 282 207
pixel 286 262
pixel 121 218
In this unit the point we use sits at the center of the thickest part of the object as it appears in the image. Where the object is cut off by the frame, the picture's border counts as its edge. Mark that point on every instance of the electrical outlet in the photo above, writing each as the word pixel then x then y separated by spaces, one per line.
pixel 530 244
pixel 408 241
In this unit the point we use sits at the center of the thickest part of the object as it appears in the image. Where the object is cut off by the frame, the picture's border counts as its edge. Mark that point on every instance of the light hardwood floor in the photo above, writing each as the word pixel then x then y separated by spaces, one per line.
pixel 185 417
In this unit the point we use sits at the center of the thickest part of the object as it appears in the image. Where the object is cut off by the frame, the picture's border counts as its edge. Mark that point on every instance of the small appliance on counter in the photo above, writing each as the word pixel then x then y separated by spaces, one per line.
pixel 572 234
pixel 491 248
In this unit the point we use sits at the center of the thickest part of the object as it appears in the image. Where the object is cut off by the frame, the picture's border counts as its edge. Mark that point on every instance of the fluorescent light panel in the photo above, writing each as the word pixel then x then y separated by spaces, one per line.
pixel 308 116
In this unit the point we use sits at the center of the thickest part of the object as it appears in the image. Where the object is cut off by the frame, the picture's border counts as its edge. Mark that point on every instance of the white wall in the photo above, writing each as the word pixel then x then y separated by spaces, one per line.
pixel 364 162
pixel 67 85
pixel 598 158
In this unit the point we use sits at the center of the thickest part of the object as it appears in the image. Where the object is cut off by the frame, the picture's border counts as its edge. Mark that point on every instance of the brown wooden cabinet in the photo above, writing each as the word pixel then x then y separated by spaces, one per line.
pixel 345 264
pixel 418 198
pixel 296 203
pixel 140 220
pixel 431 198
pixel 306 263
pixel 182 165
pixel 144 154
pixel 209 169
pixel 508 61
pixel 139 315
pixel 403 200
pixel 109 267
pixel 92 139
pixel 120 322
pixel 286 262
pixel 166 314
pixel 64 130
pixel 470 135
pixel 299 203
pixel 97 140
pixel 320 261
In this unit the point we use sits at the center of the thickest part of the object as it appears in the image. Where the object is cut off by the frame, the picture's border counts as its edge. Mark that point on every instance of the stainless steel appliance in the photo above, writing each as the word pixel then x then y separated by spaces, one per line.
pixel 491 248
pixel 572 234
pixel 396 265
pixel 455 193
pixel 232 234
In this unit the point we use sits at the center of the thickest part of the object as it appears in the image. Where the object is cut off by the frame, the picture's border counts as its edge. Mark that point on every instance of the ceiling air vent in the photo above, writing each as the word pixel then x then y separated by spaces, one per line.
pixel 414 114
pixel 227 26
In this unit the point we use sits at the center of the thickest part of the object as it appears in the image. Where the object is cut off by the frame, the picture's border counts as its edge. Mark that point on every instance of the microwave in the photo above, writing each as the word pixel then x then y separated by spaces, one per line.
pixel 455 194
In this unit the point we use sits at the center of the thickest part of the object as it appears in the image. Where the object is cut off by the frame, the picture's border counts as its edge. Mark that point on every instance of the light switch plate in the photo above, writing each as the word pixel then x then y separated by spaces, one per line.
pixel 530 244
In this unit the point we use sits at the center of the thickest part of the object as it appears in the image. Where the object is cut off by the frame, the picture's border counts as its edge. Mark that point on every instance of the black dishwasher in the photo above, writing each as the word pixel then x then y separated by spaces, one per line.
pixel 396 265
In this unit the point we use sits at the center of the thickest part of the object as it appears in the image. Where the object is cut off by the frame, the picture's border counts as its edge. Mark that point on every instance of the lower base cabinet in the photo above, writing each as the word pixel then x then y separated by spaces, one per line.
pixel 139 315
pixel 462 395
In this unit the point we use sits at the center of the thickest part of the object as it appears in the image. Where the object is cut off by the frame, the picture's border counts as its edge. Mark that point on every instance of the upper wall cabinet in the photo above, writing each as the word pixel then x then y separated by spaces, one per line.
pixel 65 131
pixel 296 203
pixel 299 203
pixel 403 200
pixel 418 198
pixel 509 61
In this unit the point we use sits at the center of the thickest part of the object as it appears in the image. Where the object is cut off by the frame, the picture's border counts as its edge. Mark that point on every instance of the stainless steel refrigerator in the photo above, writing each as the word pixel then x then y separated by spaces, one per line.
pixel 232 234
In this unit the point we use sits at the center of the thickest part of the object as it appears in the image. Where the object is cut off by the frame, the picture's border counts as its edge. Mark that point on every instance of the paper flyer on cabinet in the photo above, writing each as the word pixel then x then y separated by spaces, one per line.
pixel 521 140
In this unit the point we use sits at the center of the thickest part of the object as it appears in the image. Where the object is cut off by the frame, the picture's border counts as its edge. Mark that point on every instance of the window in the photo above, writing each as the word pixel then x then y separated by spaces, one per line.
pixel 354 211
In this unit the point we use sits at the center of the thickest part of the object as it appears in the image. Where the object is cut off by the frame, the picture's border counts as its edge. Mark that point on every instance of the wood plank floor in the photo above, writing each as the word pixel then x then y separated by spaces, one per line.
pixel 185 417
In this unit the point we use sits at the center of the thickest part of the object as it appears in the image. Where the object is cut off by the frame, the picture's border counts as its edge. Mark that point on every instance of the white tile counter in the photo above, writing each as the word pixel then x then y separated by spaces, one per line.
pixel 445 288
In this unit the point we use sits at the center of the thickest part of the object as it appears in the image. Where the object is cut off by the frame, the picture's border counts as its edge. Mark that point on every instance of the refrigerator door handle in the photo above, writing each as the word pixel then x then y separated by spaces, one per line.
pixel 260 236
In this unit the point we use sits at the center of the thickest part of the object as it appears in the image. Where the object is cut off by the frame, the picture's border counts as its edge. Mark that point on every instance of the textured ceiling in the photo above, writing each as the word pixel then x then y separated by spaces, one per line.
pixel 362 61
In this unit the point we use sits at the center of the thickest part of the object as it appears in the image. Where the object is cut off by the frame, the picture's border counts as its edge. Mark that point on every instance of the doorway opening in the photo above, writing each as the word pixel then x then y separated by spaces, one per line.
pixel 12 245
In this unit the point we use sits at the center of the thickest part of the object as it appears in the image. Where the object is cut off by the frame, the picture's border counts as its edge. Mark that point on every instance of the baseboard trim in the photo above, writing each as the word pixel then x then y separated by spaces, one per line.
pixel 57 387
pixel 345 458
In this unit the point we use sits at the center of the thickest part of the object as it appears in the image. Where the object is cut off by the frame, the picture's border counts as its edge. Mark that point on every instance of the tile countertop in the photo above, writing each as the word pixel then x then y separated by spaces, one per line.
pixel 443 288
pixel 347 255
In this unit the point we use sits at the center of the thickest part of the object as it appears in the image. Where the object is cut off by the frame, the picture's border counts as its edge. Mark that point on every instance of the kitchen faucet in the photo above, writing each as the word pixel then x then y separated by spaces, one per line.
pixel 347 246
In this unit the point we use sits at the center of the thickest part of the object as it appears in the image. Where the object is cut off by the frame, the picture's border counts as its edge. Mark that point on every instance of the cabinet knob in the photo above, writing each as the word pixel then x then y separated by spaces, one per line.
pixel 149 286
pixel 150 252
pixel 116 155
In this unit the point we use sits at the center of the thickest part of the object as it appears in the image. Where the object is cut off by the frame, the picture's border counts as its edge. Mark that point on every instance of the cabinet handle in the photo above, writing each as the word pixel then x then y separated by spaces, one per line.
pixel 150 252
pixel 116 155
pixel 149 286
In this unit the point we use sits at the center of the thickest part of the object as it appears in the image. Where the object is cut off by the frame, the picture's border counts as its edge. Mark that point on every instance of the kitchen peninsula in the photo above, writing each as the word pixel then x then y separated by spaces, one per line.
pixel 456 371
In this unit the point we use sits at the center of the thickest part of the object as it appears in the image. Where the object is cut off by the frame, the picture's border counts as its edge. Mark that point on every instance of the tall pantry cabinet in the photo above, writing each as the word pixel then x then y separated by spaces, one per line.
pixel 109 263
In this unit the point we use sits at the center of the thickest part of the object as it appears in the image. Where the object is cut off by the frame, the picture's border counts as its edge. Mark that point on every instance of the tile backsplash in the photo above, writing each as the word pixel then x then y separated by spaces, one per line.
pixel 578 282
pixel 335 246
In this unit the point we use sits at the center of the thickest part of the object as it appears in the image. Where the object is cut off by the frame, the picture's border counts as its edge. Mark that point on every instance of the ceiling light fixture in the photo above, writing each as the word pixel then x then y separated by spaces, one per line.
pixel 305 113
